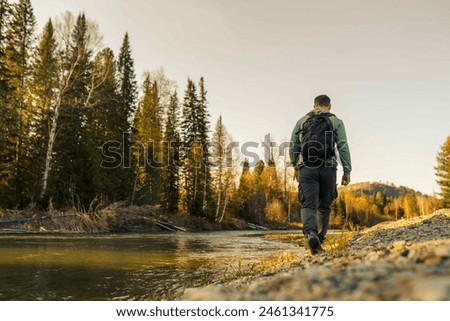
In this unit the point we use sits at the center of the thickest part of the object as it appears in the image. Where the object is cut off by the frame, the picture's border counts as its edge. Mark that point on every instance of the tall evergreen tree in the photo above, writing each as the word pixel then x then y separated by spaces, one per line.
pixel 103 127
pixel 189 135
pixel 5 14
pixel 148 137
pixel 127 84
pixel 443 173
pixel 20 47
pixel 172 168
pixel 17 58
pixel 7 114
pixel 189 124
pixel 203 132
pixel 127 108
pixel 257 203
pixel 203 122
pixel 195 128
pixel 73 184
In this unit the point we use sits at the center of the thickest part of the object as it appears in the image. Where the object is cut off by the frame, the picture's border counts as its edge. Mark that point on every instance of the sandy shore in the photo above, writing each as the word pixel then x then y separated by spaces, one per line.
pixel 402 260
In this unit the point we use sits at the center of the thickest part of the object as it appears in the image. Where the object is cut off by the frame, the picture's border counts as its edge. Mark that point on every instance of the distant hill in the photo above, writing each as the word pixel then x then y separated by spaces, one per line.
pixel 372 188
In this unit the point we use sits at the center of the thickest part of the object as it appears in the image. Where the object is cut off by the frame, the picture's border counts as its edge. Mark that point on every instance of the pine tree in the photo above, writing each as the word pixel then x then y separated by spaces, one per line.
pixel 257 199
pixel 189 135
pixel 73 184
pixel 127 108
pixel 148 134
pixel 203 131
pixel 20 47
pixel 104 125
pixel 189 125
pixel 127 84
pixel 5 14
pixel 43 86
pixel 8 115
pixel 172 168
pixel 195 128
pixel 17 59
pixel 443 173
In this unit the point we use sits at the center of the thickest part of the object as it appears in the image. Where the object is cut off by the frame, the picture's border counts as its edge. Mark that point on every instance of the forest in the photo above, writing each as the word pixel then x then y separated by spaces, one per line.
pixel 80 132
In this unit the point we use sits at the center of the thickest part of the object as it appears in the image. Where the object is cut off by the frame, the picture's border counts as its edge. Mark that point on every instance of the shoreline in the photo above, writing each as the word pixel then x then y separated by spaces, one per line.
pixel 407 259
pixel 116 218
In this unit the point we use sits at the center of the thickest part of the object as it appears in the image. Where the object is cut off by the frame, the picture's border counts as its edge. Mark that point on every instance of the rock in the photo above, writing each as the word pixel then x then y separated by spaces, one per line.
pixel 434 288
pixel 442 251
pixel 400 243
pixel 404 252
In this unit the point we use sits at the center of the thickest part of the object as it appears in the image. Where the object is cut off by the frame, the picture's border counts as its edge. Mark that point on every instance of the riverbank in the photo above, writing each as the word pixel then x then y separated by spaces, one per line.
pixel 402 260
pixel 115 218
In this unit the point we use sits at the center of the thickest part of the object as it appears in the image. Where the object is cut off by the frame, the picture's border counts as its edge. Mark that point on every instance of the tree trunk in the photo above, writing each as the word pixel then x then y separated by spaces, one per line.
pixel 218 206
pixel 134 187
pixel 50 144
pixel 204 190
pixel 224 209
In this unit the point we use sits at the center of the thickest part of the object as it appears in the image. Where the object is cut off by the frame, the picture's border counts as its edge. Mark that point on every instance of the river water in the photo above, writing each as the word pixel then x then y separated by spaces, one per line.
pixel 123 267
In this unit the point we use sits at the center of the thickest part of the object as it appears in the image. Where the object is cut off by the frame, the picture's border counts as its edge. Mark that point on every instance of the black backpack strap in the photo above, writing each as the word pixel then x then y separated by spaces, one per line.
pixel 328 115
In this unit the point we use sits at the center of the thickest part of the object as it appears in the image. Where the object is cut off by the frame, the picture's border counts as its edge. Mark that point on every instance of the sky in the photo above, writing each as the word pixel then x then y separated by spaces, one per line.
pixel 385 65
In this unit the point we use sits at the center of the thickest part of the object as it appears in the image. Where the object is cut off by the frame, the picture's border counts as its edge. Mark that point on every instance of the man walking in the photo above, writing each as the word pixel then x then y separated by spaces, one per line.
pixel 313 154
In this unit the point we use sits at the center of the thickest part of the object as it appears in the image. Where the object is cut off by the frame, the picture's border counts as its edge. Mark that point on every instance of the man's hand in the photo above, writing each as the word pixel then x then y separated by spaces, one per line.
pixel 295 173
pixel 345 179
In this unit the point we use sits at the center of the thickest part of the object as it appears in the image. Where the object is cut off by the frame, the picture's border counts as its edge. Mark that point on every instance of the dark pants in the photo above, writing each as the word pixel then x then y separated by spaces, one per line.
pixel 316 192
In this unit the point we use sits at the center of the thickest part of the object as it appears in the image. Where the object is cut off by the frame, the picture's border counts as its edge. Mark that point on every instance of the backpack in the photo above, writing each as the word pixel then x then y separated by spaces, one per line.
pixel 318 138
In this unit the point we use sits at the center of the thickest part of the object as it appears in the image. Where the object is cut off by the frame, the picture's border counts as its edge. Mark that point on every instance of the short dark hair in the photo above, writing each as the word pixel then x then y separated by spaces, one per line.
pixel 322 100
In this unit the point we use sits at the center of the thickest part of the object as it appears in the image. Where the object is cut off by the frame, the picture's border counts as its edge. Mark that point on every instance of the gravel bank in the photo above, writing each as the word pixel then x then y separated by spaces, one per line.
pixel 402 260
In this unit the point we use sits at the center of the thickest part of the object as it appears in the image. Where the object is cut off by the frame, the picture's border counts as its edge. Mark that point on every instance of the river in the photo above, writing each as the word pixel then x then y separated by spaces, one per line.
pixel 123 267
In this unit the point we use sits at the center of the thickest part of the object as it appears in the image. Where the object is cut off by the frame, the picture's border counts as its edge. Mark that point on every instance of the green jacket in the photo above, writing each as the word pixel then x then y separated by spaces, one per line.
pixel 341 142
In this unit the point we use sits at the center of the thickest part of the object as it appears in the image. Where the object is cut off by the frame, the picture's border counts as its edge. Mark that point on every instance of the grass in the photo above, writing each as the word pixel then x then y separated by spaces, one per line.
pixel 285 237
pixel 239 270
pixel 336 245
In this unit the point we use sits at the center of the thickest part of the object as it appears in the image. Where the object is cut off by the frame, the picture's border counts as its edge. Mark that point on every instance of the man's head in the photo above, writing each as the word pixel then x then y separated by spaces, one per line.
pixel 323 102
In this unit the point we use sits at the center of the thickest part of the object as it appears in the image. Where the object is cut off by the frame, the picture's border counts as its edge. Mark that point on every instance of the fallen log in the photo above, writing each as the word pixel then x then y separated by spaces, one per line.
pixel 164 226
pixel 170 226
pixel 257 227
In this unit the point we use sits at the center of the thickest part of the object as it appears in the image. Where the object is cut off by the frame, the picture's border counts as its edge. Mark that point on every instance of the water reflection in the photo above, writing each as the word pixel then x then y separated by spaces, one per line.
pixel 125 267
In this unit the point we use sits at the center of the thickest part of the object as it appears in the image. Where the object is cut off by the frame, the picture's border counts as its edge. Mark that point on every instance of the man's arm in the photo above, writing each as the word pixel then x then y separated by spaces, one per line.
pixel 294 146
pixel 343 148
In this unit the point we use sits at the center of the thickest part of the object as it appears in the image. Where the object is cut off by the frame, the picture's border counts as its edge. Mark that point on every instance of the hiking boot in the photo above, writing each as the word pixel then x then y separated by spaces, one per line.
pixel 321 238
pixel 314 243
